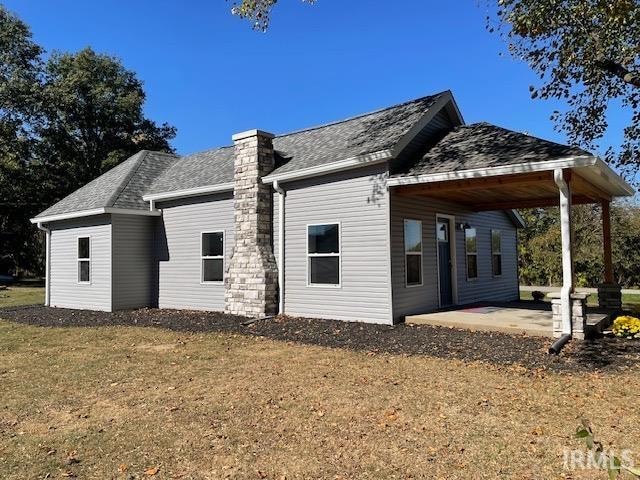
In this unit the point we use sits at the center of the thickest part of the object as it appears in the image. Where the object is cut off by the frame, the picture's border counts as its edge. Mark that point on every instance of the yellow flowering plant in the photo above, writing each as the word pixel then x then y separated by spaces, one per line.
pixel 626 326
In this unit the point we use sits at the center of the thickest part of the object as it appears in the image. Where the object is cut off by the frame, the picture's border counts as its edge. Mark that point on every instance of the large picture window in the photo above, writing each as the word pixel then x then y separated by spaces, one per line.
pixel 496 253
pixel 212 252
pixel 413 252
pixel 84 260
pixel 323 250
pixel 471 246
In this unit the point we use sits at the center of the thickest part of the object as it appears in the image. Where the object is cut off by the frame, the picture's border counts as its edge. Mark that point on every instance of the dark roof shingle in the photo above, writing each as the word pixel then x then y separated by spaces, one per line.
pixel 367 133
pixel 120 187
pixel 482 145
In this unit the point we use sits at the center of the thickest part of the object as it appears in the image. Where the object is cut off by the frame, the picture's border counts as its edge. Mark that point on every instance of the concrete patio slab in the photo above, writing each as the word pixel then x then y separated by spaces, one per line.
pixel 514 318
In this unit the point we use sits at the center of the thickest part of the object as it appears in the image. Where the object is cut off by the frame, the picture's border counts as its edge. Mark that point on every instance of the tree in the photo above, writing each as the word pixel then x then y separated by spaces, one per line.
pixel 63 122
pixel 93 118
pixel 258 12
pixel 20 75
pixel 586 52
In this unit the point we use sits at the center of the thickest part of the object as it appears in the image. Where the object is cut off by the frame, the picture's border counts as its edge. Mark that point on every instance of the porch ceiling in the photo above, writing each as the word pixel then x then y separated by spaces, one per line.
pixel 525 185
pixel 502 192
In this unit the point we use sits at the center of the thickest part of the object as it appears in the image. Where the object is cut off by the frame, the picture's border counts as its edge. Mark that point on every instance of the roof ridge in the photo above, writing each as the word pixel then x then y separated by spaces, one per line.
pixel 355 117
pixel 142 154
pixel 329 124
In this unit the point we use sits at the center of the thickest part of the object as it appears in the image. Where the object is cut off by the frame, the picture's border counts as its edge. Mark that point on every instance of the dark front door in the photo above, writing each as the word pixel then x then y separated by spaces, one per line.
pixel 444 262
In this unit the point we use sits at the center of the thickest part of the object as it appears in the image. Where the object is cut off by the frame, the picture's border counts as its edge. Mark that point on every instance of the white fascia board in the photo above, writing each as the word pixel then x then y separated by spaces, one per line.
pixel 608 175
pixel 92 212
pixel 568 162
pixel 190 192
pixel 358 161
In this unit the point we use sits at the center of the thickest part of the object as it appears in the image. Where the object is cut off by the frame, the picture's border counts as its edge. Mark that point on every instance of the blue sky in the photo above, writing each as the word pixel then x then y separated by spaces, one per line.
pixel 209 74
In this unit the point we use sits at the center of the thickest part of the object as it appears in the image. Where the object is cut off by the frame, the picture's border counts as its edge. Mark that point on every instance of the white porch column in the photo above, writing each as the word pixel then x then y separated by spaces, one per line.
pixel 562 179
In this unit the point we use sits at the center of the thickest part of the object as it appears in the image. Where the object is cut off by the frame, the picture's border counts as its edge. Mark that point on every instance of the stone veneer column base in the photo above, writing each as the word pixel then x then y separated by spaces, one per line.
pixel 578 314
pixel 610 296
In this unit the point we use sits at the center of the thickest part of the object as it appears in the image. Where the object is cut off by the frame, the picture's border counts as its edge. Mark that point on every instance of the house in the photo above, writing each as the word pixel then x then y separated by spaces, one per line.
pixel 395 212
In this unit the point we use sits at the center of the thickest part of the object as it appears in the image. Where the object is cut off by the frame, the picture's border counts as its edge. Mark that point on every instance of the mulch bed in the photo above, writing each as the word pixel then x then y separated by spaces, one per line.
pixel 497 348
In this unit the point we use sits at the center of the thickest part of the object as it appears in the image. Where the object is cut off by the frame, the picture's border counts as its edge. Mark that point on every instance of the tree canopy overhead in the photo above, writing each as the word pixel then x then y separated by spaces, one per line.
pixel 587 53
pixel 258 12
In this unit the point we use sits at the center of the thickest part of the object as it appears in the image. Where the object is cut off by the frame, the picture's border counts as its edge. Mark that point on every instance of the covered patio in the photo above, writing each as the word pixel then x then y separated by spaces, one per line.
pixel 486 168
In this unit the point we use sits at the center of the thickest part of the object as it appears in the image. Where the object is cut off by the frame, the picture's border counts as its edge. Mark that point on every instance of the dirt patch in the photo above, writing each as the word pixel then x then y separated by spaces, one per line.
pixel 497 348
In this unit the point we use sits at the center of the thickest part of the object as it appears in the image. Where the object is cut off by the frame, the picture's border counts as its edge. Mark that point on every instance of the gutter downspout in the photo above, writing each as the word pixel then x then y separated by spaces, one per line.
pixel 281 196
pixel 567 260
pixel 47 271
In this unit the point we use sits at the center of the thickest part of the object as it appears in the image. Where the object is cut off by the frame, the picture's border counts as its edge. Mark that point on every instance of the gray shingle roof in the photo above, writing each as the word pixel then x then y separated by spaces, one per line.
pixel 120 187
pixel 212 167
pixel 315 146
pixel 482 145
pixel 153 172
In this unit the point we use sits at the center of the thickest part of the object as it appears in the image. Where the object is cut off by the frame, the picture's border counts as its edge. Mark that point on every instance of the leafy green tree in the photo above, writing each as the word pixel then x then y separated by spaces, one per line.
pixel 93 118
pixel 20 74
pixel 540 251
pixel 587 53
pixel 63 122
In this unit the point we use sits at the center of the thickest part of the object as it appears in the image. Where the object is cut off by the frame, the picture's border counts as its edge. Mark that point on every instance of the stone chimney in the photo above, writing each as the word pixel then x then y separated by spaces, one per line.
pixel 252 275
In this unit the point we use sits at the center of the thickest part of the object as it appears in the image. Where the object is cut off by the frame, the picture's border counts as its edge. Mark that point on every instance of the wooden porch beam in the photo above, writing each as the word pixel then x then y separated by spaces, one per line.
pixel 606 242
pixel 530 203
pixel 479 183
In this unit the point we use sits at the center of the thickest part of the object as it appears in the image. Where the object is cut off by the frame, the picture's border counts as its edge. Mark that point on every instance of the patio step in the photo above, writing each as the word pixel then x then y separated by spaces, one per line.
pixel 597 323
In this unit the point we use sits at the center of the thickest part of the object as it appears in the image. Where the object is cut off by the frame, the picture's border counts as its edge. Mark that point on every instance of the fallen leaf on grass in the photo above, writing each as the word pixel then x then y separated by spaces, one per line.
pixel 123 467
pixel 151 471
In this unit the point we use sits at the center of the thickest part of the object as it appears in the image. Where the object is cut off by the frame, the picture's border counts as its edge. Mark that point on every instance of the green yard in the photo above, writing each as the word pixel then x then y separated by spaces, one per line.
pixel 21 294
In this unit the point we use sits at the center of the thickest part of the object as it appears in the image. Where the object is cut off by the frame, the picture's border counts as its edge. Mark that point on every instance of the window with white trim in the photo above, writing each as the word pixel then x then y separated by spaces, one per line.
pixel 496 253
pixel 323 252
pixel 413 252
pixel 471 247
pixel 212 253
pixel 84 260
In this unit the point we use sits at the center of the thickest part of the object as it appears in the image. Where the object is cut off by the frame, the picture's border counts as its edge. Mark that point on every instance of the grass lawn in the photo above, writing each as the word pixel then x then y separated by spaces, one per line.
pixel 630 299
pixel 114 402
pixel 21 295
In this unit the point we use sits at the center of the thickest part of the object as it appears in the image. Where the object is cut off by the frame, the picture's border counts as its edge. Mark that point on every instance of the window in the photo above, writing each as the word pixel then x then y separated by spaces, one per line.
pixel 413 252
pixel 496 253
pixel 212 246
pixel 471 246
pixel 84 260
pixel 323 247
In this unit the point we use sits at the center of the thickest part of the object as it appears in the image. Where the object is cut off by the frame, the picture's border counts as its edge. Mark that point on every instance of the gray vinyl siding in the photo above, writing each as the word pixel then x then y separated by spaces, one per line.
pixel 420 299
pixel 133 263
pixel 66 292
pixel 358 201
pixel 178 250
